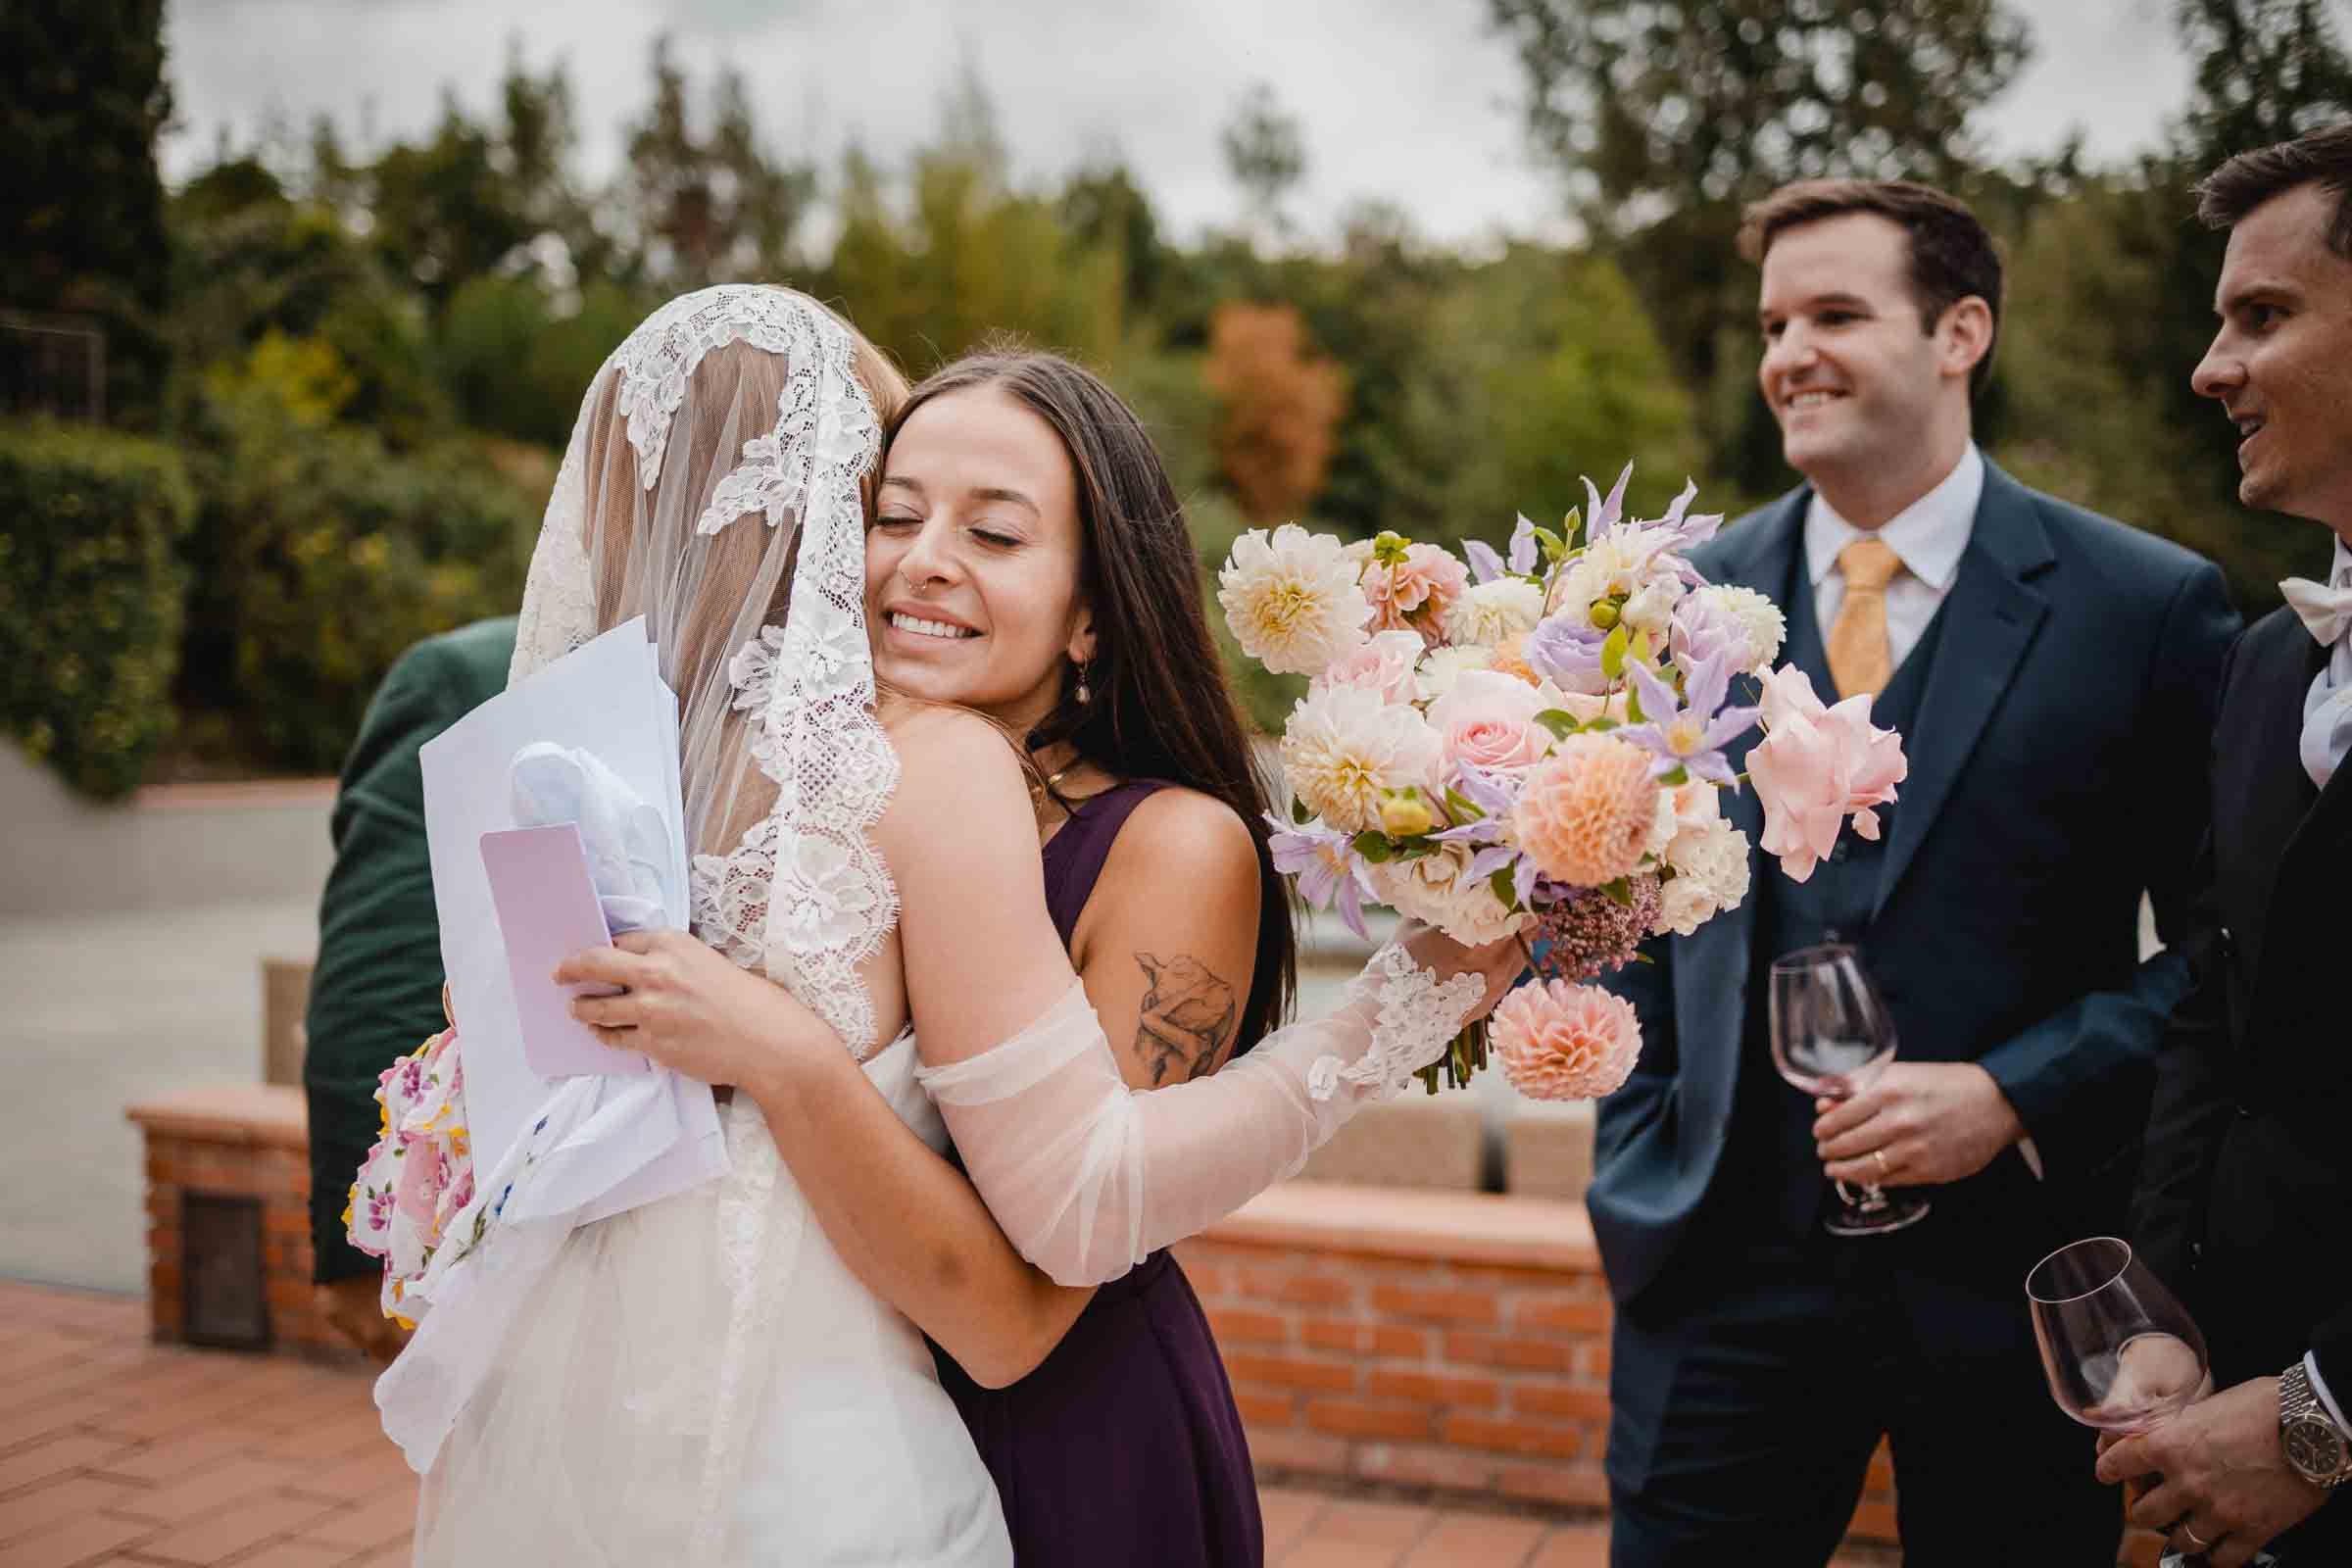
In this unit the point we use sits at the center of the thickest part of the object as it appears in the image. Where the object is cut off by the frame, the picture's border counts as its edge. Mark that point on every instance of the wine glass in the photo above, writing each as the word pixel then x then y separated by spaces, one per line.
pixel 2121 1354
pixel 1831 1035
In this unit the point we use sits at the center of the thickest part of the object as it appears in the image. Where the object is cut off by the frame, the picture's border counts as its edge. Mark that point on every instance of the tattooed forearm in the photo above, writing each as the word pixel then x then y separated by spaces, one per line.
pixel 1188 1020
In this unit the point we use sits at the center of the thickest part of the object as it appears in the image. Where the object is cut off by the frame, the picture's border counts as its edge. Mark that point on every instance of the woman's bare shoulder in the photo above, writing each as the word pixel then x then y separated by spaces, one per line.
pixel 957 772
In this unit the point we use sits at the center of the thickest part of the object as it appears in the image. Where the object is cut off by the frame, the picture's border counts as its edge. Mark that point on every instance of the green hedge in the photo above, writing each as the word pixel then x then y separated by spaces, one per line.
pixel 324 556
pixel 91 598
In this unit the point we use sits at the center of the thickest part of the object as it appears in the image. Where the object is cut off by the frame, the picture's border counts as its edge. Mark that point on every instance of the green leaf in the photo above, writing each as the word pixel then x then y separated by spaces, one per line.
pixel 1374 846
pixel 1601 726
pixel 1612 652
pixel 1561 722
pixel 1676 777
pixel 1632 707
pixel 1298 811
pixel 1462 810
pixel 1505 889
pixel 1619 893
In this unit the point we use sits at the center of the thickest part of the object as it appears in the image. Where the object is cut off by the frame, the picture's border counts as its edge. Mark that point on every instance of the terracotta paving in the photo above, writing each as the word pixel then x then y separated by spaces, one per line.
pixel 115 1451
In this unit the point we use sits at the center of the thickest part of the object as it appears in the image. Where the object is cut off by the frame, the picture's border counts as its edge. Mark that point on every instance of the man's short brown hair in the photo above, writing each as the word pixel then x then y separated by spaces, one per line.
pixel 1953 254
pixel 2322 157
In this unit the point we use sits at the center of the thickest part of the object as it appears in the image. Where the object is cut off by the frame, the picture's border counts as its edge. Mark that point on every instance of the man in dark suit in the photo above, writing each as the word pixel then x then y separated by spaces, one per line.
pixel 2048 670
pixel 2245 1197
pixel 375 991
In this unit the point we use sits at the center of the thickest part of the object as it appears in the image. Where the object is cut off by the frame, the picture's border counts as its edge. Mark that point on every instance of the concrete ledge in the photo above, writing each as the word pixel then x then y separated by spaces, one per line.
pixel 236 1115
pixel 1402 1222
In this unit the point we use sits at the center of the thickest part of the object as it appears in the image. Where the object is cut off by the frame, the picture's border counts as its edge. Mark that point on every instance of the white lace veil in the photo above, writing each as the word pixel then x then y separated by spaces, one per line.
pixel 713 486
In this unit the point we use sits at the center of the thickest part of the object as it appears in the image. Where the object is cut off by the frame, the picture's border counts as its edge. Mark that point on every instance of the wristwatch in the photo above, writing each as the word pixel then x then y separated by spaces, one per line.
pixel 2315 1445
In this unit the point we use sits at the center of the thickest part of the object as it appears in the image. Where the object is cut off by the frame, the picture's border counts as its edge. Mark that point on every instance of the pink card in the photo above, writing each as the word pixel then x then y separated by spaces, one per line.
pixel 547 912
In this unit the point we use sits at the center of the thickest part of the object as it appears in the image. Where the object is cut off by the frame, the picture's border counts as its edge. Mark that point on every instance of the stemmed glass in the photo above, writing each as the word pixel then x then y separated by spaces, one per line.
pixel 1830 1036
pixel 2121 1354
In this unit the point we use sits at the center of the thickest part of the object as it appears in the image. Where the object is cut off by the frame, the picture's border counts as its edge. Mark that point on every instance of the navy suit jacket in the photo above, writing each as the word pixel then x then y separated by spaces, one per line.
pixel 2056 771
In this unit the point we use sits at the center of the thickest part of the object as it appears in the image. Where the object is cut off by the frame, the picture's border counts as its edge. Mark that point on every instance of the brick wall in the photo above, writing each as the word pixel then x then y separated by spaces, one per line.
pixel 248 1140
pixel 1453 1340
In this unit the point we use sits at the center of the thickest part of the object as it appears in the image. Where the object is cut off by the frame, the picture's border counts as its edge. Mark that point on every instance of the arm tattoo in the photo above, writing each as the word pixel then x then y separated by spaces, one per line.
pixel 1188 1018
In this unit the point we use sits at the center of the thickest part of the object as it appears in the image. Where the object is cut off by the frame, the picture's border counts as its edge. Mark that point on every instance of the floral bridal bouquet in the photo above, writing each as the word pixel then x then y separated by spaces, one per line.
pixel 1531 746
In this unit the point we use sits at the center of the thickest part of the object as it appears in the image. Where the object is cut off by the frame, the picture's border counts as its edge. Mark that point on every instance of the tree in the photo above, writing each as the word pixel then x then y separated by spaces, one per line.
pixel 708 205
pixel 1281 402
pixel 1665 117
pixel 1265 151
pixel 82 98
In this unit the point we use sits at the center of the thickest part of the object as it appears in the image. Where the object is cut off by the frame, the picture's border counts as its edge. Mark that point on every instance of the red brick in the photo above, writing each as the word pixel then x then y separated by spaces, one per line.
pixel 387 1517
pixel 1529 1439
pixel 209 1490
pixel 1291 1372
pixel 1429 1388
pixel 1295 1289
pixel 1422 1465
pixel 1350 1420
pixel 1265 1409
pixel 1236 1323
pixel 1440 1306
pixel 1552 1399
pixel 1562 1316
pixel 1575 1486
pixel 296 1554
pixel 1278 1451
pixel 162 1463
pixel 1493 1350
pixel 1363 1339
pixel 44 1506
pixel 1873 1521
pixel 74 1541
pixel 237 1528
pixel 56 1456
pixel 1476 1541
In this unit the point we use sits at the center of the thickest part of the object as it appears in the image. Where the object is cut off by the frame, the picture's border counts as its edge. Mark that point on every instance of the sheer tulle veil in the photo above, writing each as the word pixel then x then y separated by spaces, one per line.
pixel 714 484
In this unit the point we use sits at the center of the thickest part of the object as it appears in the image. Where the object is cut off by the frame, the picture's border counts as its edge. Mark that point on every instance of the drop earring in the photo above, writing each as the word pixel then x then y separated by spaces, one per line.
pixel 1084 696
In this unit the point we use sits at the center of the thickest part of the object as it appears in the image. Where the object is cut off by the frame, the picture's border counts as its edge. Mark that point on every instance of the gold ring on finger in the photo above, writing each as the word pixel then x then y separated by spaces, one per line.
pixel 1880 1155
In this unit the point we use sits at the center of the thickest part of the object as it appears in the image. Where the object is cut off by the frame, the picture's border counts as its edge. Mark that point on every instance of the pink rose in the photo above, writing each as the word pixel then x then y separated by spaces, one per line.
pixel 1426 584
pixel 1383 665
pixel 1817 766
pixel 1487 720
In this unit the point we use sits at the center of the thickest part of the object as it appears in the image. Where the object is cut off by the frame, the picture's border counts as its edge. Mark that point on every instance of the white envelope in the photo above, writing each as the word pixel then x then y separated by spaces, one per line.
pixel 607 697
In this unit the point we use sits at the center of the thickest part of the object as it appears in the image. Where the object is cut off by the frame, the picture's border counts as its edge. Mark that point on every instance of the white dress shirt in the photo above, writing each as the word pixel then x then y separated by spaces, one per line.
pixel 2327 704
pixel 1930 536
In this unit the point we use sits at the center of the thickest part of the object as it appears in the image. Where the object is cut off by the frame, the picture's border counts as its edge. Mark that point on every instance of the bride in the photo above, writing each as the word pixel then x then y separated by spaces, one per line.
pixel 703 1379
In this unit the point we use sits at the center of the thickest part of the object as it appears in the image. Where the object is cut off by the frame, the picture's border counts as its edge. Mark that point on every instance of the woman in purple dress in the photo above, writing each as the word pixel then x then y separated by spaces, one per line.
pixel 1029 560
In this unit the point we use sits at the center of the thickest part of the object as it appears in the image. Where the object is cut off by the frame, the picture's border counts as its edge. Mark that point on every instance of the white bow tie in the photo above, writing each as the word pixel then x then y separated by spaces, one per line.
pixel 2326 611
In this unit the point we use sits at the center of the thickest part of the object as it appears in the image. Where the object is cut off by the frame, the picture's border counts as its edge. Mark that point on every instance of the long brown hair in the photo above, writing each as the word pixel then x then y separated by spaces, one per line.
pixel 1158 704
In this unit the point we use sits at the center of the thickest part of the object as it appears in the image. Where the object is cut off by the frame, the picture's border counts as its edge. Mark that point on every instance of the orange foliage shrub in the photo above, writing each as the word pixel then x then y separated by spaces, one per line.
pixel 1283 403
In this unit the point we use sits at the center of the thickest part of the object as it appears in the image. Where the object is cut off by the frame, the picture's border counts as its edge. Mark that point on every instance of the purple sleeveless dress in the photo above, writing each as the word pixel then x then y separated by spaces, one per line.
pixel 1124 1446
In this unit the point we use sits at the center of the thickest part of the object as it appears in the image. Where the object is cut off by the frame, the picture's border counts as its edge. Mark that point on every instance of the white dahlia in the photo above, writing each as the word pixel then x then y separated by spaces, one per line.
pixel 1754 614
pixel 1441 667
pixel 1492 611
pixel 1293 600
pixel 1343 745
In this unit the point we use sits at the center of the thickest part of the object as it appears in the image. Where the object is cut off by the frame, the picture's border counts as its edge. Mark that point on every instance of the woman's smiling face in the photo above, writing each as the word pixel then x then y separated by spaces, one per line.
pixel 972 566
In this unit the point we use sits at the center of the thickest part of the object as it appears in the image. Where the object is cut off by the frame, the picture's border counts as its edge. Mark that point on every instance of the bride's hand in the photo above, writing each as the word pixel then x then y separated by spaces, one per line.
pixel 1500 963
pixel 689 1008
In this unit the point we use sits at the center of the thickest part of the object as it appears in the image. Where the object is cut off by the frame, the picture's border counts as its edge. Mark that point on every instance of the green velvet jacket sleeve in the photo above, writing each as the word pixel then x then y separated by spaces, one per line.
pixel 375 992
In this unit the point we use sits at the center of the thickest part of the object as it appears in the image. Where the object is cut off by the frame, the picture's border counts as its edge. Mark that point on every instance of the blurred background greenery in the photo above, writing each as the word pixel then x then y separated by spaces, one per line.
pixel 334 386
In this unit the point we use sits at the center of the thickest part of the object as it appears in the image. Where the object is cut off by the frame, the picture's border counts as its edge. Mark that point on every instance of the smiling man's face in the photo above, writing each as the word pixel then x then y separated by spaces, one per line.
pixel 2282 363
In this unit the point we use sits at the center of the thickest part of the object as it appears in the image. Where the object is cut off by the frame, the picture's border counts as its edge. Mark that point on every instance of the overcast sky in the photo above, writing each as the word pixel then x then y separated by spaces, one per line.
pixel 1409 101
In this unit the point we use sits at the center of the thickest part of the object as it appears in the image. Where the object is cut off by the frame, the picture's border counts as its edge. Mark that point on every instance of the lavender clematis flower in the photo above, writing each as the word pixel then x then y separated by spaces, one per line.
pixel 1524 554
pixel 1485 564
pixel 1323 860
pixel 1606 514
pixel 1689 732
pixel 1565 650
pixel 1689 533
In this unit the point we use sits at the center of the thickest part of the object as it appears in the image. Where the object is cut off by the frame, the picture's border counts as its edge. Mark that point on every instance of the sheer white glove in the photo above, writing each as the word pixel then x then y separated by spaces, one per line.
pixel 1088 1176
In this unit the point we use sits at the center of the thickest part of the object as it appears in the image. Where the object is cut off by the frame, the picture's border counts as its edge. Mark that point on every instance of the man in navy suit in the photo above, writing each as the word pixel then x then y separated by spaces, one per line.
pixel 2053 674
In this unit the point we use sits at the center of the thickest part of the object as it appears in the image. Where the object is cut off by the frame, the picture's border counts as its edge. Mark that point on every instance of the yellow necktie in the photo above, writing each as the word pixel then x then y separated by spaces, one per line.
pixel 1860 658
